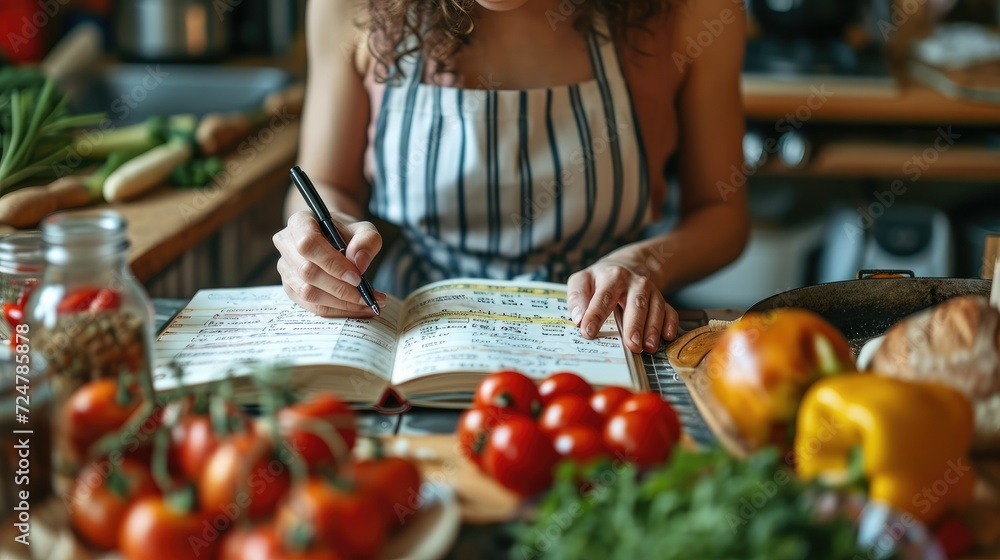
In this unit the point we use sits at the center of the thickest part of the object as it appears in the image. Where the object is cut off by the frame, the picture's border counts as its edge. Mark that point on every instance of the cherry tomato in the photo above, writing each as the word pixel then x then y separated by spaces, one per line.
pixel 29 287
pixel 607 400
pixel 90 300
pixel 473 429
pixel 154 530
pixel 101 496
pixel 194 439
pixel 327 410
pixel 341 517
pixel 13 314
pixel 640 436
pixel 244 471
pixel 568 410
pixel 508 392
pixel 95 410
pixel 582 444
pixel 654 403
pixel 395 484
pixel 265 542
pixel 520 456
pixel 563 383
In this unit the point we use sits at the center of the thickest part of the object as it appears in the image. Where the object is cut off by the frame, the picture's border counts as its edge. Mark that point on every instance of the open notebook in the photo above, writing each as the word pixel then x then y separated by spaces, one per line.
pixel 431 349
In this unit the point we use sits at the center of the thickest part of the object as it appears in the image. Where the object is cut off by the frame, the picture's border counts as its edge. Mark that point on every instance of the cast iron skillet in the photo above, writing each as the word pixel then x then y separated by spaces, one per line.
pixel 865 308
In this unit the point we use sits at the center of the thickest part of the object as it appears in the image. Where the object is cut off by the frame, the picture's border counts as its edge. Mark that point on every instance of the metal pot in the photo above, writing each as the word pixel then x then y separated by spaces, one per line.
pixel 865 308
pixel 171 30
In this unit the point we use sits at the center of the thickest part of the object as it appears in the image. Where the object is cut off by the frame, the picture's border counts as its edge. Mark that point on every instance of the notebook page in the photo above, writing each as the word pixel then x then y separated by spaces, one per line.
pixel 220 329
pixel 483 326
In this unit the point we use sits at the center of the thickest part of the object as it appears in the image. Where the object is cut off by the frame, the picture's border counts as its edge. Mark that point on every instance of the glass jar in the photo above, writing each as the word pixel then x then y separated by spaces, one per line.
pixel 89 318
pixel 21 266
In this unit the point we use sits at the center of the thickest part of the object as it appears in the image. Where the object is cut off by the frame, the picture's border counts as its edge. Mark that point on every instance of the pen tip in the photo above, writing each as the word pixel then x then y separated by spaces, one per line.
pixel 376 310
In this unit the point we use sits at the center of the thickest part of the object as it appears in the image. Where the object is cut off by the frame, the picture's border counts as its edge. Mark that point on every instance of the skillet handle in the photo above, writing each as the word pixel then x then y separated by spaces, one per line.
pixel 878 273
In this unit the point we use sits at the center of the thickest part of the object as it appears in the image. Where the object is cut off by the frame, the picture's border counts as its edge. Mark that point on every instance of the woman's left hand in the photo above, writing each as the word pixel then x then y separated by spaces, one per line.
pixel 618 279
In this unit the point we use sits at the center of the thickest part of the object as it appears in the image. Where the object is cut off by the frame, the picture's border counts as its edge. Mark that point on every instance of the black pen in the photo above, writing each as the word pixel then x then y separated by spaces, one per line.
pixel 322 214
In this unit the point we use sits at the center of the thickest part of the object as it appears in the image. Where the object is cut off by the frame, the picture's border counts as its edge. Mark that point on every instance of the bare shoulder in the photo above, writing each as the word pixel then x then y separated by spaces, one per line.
pixel 710 38
pixel 338 28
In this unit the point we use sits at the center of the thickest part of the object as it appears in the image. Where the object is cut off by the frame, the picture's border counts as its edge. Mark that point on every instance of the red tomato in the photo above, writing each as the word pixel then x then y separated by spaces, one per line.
pixel 395 484
pixel 473 429
pixel 563 383
pixel 640 436
pixel 341 517
pixel 520 456
pixel 105 300
pixel 29 287
pixel 101 496
pixel 194 440
pixel 582 444
pixel 95 410
pixel 265 542
pixel 329 411
pixel 606 401
pixel 655 404
pixel 90 300
pixel 568 410
pixel 153 530
pixel 508 392
pixel 243 472
pixel 13 314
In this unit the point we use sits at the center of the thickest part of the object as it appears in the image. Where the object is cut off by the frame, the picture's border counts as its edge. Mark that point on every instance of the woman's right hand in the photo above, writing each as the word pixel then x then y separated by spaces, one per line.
pixel 318 277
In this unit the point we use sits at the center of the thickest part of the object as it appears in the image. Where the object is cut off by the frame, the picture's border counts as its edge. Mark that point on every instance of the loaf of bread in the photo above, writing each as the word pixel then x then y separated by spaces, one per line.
pixel 955 343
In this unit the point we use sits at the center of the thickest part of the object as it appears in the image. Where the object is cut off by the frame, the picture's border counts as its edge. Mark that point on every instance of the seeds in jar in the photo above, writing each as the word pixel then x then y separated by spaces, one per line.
pixel 93 345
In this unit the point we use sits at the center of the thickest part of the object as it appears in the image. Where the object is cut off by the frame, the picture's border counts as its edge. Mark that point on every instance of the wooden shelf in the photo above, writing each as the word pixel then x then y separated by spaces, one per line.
pixel 879 160
pixel 913 104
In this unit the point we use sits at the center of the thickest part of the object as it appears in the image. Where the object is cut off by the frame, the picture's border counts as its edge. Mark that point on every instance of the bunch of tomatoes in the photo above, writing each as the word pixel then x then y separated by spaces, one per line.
pixel 517 432
pixel 197 478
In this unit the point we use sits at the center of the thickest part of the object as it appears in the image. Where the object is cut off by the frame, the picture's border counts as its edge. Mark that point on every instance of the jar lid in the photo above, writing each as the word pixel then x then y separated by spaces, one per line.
pixel 21 252
pixel 90 234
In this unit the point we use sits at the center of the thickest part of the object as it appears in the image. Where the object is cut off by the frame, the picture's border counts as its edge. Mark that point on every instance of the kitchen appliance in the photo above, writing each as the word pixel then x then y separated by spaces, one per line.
pixel 172 30
pixel 266 27
pixel 886 236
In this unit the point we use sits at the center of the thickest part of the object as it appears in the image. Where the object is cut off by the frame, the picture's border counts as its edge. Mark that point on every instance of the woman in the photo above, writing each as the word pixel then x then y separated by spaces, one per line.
pixel 521 139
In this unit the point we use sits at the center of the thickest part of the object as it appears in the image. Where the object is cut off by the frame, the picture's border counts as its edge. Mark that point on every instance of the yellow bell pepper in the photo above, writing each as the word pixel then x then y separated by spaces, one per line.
pixel 914 439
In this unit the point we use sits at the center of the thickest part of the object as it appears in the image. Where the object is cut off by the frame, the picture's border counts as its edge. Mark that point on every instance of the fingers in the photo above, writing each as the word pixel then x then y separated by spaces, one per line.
pixel 327 299
pixel 364 243
pixel 646 319
pixel 318 277
pixel 580 289
pixel 670 323
pixel 610 285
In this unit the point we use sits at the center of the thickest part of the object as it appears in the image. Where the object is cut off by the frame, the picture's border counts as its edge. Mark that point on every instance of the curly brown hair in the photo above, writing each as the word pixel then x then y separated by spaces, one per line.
pixel 440 28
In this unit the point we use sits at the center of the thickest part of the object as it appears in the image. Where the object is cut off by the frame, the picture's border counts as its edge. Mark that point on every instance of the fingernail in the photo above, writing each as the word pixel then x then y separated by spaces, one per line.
pixel 362 260
pixel 352 278
pixel 636 339
pixel 575 314
pixel 589 330
pixel 381 298
pixel 651 344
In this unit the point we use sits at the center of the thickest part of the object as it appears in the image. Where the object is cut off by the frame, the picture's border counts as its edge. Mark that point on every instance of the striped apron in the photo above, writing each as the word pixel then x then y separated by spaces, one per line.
pixel 505 184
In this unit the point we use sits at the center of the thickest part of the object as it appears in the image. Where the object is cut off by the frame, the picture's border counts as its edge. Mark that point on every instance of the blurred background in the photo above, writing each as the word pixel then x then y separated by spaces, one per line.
pixel 873 128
